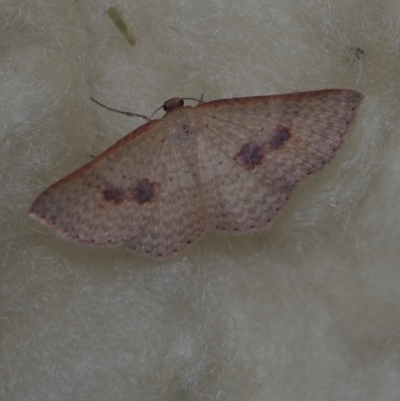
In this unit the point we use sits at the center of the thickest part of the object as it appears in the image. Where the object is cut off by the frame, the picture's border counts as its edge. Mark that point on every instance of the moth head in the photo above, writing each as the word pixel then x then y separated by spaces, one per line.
pixel 173 104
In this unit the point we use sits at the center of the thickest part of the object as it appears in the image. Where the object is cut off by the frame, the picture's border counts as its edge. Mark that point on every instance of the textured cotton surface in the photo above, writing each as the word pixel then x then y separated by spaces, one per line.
pixel 307 310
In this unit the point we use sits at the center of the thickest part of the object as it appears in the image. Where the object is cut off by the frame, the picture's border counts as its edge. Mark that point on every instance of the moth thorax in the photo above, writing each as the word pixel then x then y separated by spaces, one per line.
pixel 182 134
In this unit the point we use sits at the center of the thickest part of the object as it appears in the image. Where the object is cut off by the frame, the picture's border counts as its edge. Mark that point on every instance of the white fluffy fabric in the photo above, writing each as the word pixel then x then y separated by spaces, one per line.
pixel 308 310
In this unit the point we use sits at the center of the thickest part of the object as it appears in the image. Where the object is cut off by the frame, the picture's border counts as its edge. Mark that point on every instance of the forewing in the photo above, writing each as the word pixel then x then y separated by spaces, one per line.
pixel 109 199
pixel 178 217
pixel 280 139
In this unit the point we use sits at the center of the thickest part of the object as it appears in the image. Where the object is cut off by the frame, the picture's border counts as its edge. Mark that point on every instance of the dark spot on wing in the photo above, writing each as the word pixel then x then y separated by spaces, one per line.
pixel 250 155
pixel 279 137
pixel 113 193
pixel 142 191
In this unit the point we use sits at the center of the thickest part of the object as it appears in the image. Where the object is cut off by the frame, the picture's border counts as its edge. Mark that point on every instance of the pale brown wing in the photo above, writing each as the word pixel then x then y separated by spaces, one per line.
pixel 235 200
pixel 109 199
pixel 178 217
pixel 280 139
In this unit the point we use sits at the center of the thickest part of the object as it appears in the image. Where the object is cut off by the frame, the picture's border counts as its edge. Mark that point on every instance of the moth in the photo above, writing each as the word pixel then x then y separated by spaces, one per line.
pixel 227 165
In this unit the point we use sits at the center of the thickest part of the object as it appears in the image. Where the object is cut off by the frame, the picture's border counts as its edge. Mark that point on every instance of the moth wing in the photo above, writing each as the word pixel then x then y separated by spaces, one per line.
pixel 178 218
pixel 109 199
pixel 280 139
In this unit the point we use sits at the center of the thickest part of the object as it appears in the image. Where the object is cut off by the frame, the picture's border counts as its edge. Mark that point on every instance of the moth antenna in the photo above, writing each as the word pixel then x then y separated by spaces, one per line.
pixel 155 111
pixel 196 100
pixel 127 113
